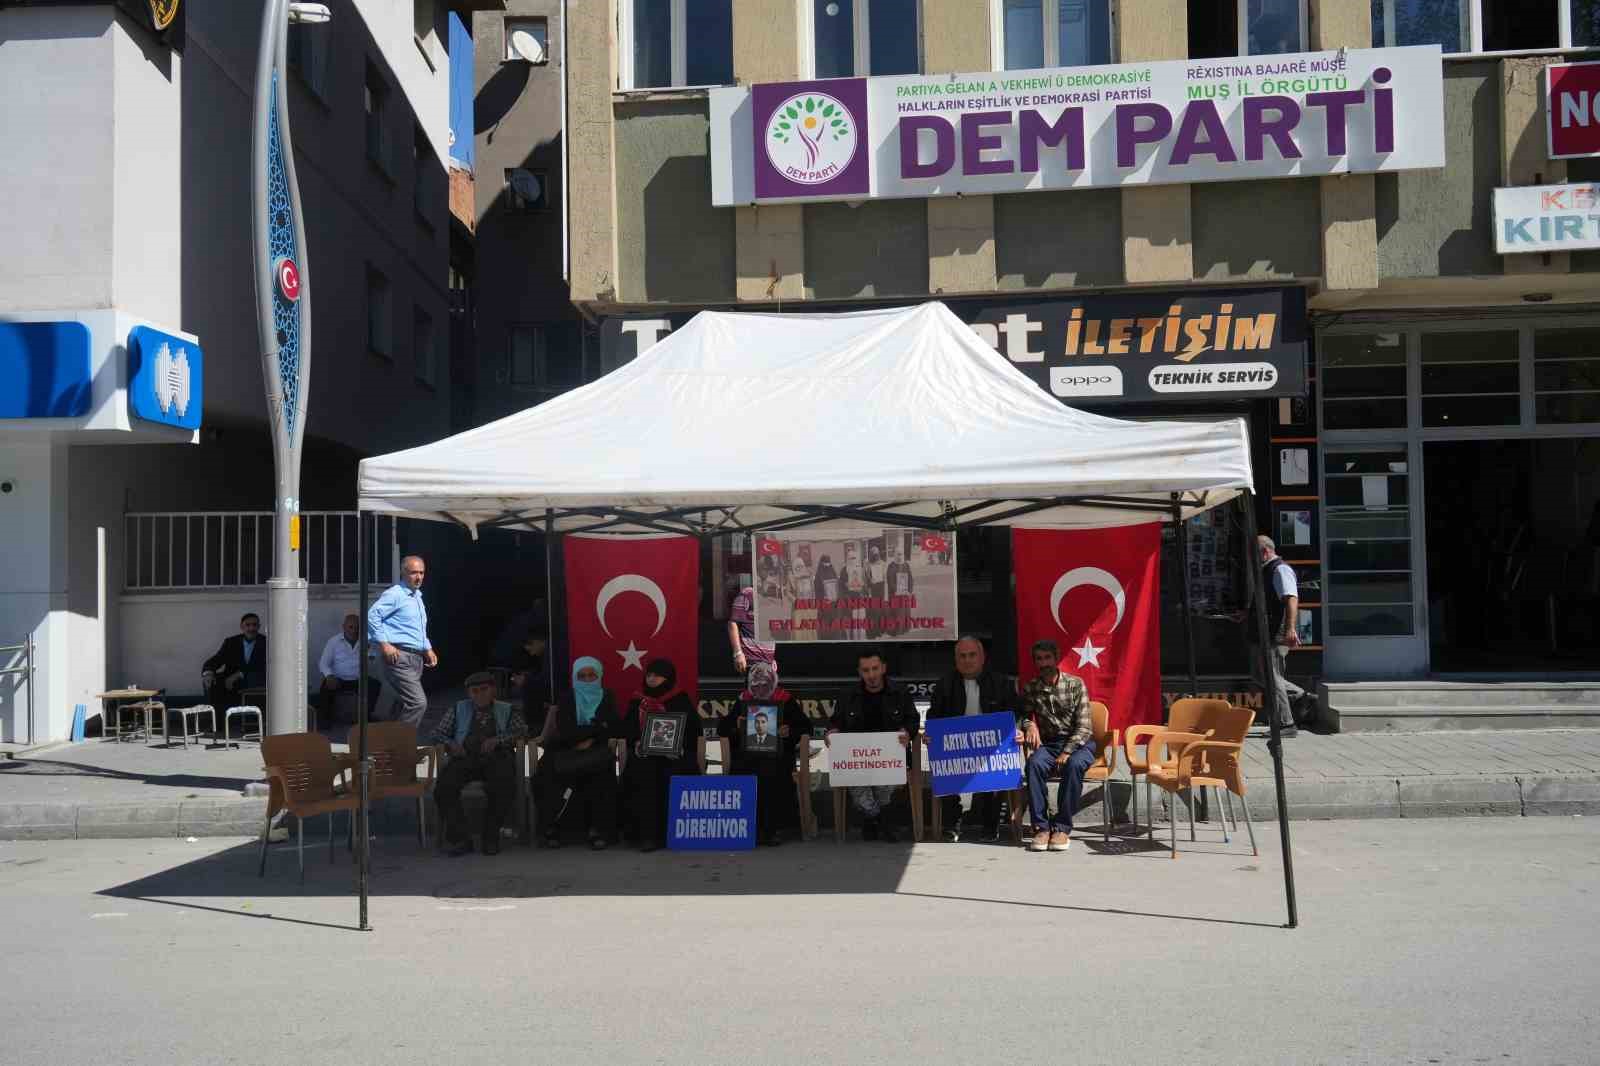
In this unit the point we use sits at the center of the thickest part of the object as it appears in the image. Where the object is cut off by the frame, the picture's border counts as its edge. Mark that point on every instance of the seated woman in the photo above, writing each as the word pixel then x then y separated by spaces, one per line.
pixel 647 778
pixel 578 756
pixel 765 729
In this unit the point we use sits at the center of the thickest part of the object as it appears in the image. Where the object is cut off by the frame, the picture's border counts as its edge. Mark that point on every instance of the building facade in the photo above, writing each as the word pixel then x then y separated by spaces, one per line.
pixel 1431 472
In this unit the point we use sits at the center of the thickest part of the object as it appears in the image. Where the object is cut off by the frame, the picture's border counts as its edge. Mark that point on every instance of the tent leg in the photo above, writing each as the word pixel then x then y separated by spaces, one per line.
pixel 1258 601
pixel 364 528
pixel 1182 529
pixel 549 611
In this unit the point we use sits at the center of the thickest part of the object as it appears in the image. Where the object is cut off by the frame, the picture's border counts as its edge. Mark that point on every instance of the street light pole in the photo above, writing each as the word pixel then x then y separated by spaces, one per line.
pixel 283 319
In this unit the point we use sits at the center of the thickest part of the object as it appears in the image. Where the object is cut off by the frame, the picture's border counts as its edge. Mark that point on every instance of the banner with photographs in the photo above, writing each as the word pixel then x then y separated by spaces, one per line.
pixel 867 583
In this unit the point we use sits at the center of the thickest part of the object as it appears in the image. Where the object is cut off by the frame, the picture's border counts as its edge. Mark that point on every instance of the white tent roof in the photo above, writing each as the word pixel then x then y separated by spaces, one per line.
pixel 752 420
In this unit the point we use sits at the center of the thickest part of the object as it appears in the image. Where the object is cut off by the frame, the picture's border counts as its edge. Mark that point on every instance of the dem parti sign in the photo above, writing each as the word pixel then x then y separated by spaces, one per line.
pixel 1355 111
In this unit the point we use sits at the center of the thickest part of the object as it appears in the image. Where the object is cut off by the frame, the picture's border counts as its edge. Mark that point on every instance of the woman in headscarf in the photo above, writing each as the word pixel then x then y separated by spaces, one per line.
pixel 827 588
pixel 646 778
pixel 577 755
pixel 772 764
pixel 802 590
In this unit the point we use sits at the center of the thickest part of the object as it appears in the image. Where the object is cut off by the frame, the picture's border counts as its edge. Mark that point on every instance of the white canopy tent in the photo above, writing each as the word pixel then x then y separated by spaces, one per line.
pixel 742 421
pixel 748 421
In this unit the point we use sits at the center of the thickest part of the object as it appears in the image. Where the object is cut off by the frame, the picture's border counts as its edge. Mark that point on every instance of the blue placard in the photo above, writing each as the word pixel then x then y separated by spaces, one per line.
pixel 976 753
pixel 44 370
pixel 711 813
pixel 166 378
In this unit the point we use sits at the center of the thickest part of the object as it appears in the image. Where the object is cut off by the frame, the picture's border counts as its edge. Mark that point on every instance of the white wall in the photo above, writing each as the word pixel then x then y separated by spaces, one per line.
pixel 147 256
pixel 33 587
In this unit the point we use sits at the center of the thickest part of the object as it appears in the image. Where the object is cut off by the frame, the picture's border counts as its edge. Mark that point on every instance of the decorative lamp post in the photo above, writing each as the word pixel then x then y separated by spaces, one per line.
pixel 283 317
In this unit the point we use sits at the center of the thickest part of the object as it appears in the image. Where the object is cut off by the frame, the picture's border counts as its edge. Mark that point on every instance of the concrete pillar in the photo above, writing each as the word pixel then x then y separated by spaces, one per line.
pixel 1157 238
pixel 1349 201
pixel 1523 146
pixel 591 192
pixel 33 591
pixel 769 241
pixel 961 256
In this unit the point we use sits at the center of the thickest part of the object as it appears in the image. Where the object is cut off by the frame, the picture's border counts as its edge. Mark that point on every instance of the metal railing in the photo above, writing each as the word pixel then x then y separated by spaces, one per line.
pixel 175 550
pixel 25 671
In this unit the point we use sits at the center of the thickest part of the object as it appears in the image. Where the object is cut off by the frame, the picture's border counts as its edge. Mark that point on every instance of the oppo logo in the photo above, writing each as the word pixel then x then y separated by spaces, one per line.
pixel 1103 379
pixel 1086 381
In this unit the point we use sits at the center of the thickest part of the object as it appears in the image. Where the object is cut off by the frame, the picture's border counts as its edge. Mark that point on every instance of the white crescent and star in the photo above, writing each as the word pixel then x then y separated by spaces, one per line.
pixel 1088 654
pixel 633 656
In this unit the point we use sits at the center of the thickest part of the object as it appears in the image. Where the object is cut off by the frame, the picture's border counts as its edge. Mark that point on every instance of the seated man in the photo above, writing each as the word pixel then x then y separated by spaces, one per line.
pixel 239 664
pixel 877 705
pixel 340 664
pixel 1060 730
pixel 972 689
pixel 478 733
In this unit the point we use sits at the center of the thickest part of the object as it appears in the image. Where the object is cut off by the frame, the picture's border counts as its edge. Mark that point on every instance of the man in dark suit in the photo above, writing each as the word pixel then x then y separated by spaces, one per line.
pixel 972 688
pixel 239 664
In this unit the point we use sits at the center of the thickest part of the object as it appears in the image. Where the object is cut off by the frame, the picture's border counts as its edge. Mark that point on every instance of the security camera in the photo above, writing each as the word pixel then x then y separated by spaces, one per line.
pixel 8 486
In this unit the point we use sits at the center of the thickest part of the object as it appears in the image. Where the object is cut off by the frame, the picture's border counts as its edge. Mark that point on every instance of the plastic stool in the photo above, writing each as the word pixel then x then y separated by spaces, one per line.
pixel 238 712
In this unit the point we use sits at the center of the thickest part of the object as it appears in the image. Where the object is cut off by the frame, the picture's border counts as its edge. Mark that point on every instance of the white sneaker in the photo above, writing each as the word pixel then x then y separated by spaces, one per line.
pixel 277 834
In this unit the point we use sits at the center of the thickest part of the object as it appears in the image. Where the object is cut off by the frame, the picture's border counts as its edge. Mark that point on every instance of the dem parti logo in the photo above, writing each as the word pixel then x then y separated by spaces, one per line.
pixel 811 138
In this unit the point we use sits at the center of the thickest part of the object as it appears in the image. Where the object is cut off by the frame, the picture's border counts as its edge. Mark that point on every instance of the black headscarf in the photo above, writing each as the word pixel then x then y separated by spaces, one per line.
pixel 662 668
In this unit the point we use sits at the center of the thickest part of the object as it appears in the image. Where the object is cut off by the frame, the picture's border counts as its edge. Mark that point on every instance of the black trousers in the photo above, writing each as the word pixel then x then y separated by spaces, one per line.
pixel 985 810
pixel 498 772
pixel 596 791
pixel 777 808
pixel 645 782
pixel 328 700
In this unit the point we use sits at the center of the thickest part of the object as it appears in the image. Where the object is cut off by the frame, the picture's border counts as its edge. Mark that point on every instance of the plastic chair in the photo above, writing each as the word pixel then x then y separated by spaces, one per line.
pixel 304 772
pixel 1183 717
pixel 189 720
pixel 914 787
pixel 395 755
pixel 1206 760
pixel 242 711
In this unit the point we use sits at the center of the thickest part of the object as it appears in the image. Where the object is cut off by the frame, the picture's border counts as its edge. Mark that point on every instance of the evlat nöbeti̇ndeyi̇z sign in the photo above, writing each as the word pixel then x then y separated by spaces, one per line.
pixel 1357 111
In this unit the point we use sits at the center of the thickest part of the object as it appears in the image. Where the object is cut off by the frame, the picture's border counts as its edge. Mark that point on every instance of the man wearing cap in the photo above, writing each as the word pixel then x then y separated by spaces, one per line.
pixel 479 734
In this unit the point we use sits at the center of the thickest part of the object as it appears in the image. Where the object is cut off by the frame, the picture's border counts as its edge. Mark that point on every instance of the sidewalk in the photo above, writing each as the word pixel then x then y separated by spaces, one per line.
pixel 101 789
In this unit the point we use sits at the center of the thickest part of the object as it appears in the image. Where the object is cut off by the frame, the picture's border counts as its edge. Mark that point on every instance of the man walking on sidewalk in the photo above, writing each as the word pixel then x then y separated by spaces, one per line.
pixel 398 624
pixel 1283 608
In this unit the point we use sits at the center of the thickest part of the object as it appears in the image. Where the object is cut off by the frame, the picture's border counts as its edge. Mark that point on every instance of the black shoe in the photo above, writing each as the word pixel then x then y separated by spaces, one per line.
pixel 772 840
pixel 992 835
pixel 888 835
pixel 458 850
pixel 869 829
pixel 552 841
pixel 952 836
pixel 649 845
pixel 597 843
pixel 491 843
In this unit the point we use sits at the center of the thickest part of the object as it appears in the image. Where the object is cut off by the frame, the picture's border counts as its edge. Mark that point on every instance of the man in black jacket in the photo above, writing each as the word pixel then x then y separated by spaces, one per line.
pixel 239 664
pixel 877 705
pixel 972 688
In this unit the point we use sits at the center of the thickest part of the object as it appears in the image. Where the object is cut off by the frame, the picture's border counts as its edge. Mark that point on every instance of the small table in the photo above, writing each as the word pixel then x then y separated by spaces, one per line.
pixel 110 725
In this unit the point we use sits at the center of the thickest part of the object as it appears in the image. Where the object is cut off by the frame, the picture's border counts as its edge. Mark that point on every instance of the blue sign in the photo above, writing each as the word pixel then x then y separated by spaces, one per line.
pixel 44 370
pixel 166 378
pixel 976 753
pixel 711 813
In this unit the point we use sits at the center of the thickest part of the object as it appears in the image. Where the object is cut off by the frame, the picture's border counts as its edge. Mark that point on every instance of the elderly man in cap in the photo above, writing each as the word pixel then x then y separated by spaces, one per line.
pixel 479 733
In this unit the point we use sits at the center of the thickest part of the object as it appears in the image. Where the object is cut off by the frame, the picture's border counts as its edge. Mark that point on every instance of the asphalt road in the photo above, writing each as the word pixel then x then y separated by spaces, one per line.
pixel 1457 941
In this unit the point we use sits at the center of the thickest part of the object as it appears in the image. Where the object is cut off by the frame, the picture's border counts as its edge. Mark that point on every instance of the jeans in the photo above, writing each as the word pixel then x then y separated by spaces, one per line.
pixel 1068 792
pixel 404 678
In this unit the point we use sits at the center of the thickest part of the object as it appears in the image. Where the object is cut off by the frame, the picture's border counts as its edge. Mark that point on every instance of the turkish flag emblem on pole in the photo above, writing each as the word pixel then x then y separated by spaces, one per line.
pixel 1097 594
pixel 630 600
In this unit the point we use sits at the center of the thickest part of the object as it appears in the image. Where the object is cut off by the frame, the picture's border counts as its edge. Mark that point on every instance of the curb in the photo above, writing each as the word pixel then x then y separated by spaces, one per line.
pixel 1378 797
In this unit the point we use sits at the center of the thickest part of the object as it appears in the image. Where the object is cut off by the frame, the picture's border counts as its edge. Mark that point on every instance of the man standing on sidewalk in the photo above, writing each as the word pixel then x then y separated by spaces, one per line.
pixel 1060 732
pixel 398 624
pixel 1283 608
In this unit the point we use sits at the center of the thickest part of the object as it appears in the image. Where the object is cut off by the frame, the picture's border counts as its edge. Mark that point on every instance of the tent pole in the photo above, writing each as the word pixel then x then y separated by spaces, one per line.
pixel 1183 581
pixel 549 610
pixel 1258 599
pixel 364 527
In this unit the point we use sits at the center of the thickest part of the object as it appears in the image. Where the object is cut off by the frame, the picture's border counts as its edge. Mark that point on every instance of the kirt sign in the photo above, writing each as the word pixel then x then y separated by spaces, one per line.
pixel 976 753
pixel 1352 111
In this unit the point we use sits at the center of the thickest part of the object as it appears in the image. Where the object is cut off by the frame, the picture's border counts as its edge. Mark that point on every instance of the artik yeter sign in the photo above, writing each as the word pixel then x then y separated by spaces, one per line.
pixel 1354 111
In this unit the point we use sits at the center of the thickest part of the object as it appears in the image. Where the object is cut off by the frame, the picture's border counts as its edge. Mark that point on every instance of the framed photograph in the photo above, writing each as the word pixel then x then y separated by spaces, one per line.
pixel 761 723
pixel 1294 470
pixel 664 733
pixel 1295 529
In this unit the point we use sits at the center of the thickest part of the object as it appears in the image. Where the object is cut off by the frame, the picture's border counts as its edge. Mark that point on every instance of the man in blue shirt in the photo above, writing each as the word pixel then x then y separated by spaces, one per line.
pixel 398 625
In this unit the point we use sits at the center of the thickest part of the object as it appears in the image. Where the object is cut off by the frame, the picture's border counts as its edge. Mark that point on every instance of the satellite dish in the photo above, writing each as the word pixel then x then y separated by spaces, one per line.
pixel 526 46
pixel 526 185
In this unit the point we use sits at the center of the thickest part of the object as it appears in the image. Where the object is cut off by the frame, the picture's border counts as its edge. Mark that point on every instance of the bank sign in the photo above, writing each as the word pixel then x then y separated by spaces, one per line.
pixel 1356 111
pixel 1133 346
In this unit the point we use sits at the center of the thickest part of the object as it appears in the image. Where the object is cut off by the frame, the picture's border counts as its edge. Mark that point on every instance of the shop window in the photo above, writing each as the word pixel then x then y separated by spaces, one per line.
pixel 306 53
pixel 1585 23
pixel 1363 380
pixel 1246 27
pixel 1566 376
pixel 1407 22
pixel 857 38
pixel 1519 25
pixel 1055 33
pixel 379 340
pixel 425 353
pixel 1470 379
pixel 1369 565
pixel 542 359
pixel 678 42
pixel 1502 25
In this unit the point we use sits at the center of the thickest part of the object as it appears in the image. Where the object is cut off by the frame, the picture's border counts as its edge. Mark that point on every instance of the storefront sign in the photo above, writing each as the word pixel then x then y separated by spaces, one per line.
pixel 1572 117
pixel 975 753
pixel 166 378
pixel 858 759
pixel 44 370
pixel 871 583
pixel 1359 110
pixel 1547 218
pixel 1143 346
pixel 711 813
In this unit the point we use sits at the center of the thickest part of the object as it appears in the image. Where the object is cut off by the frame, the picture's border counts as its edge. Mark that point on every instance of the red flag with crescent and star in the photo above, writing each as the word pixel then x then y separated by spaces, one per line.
pixel 633 599
pixel 1097 594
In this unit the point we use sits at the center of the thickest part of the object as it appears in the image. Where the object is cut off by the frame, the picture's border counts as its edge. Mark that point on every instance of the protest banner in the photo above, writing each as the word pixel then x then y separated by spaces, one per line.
pixel 711 813
pixel 856 759
pixel 975 753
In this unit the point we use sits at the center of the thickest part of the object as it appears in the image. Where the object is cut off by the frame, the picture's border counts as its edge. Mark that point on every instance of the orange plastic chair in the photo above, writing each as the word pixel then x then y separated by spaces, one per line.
pixel 1106 740
pixel 395 755
pixel 1183 717
pixel 1206 760
pixel 304 772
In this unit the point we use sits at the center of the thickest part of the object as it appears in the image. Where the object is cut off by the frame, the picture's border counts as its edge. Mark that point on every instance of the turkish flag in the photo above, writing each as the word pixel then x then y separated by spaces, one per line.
pixel 633 599
pixel 1097 594
pixel 932 542
pixel 770 546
